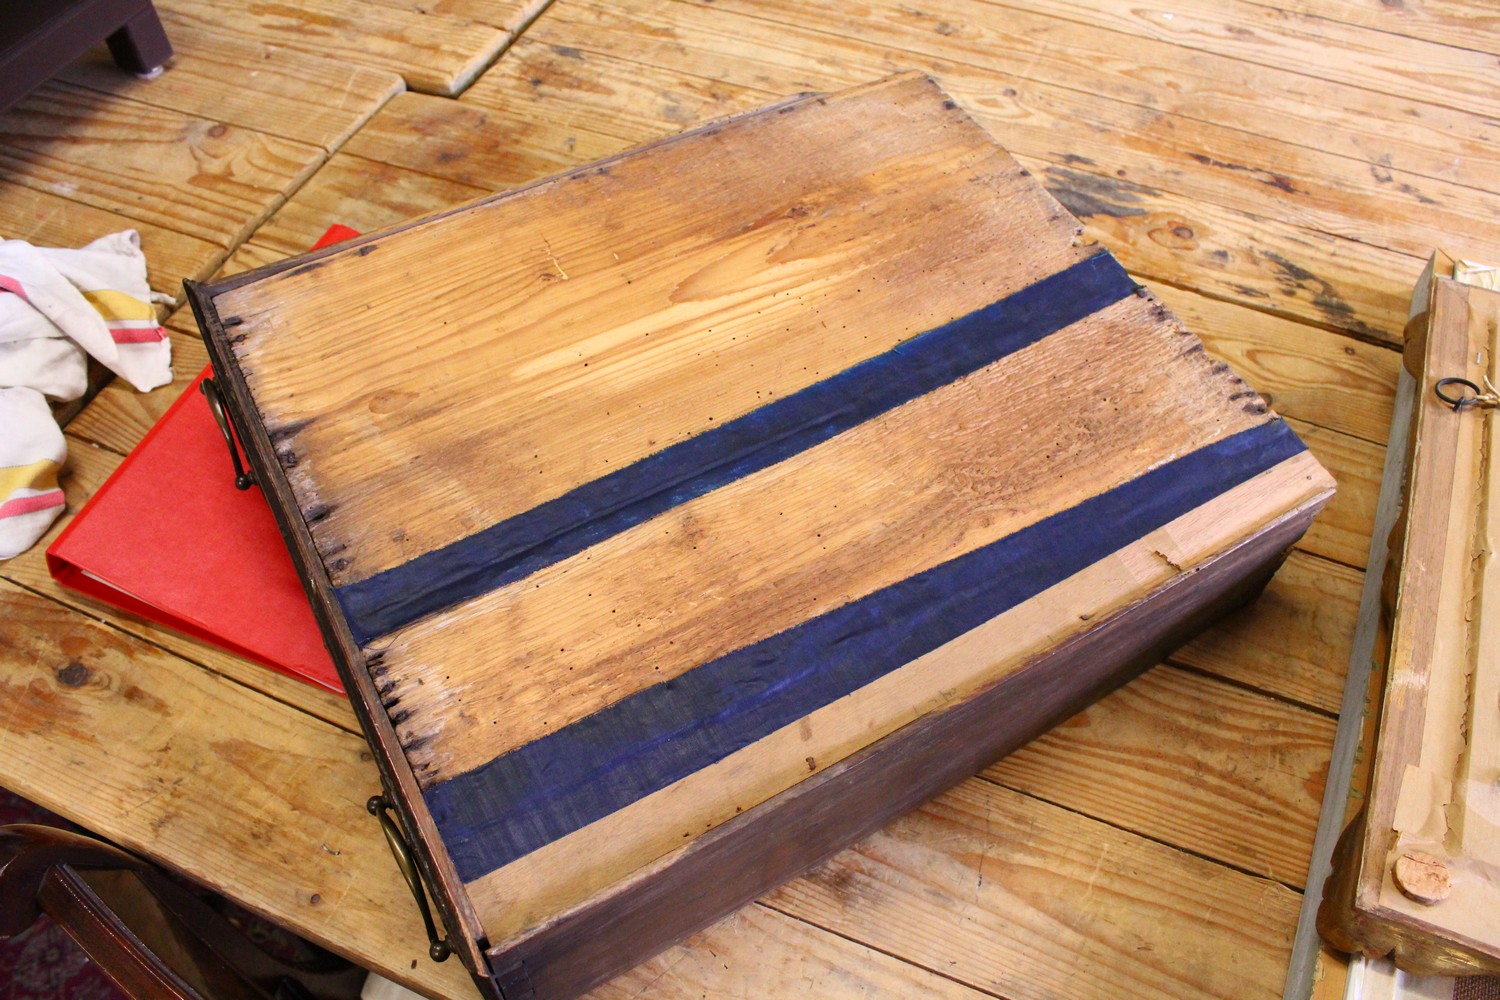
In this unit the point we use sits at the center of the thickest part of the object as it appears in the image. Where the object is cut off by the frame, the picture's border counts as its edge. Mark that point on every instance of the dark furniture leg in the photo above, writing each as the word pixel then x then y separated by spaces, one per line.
pixel 39 38
pixel 140 45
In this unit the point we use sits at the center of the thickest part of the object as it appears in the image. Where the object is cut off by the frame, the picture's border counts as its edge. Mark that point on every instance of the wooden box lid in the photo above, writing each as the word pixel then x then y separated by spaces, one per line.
pixel 678 518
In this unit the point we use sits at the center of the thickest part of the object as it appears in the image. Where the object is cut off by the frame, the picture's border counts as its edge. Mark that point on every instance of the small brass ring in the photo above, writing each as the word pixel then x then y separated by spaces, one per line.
pixel 1460 401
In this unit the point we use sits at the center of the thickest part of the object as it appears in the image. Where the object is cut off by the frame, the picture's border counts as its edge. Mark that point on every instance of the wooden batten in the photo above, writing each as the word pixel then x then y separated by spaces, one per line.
pixel 1417 875
pixel 728 497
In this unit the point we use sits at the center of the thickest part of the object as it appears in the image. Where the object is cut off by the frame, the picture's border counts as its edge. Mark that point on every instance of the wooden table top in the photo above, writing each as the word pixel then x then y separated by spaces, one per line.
pixel 1277 173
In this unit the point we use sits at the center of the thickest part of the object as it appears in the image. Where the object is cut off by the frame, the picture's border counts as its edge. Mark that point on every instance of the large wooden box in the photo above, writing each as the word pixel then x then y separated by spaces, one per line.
pixel 677 520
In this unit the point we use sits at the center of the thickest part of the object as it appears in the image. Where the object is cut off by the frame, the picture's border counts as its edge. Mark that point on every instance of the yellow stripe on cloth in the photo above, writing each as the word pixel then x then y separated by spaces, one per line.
pixel 117 305
pixel 40 475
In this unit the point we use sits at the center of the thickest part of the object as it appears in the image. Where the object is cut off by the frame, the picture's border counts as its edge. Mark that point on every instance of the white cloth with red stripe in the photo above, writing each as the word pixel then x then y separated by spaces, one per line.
pixel 57 307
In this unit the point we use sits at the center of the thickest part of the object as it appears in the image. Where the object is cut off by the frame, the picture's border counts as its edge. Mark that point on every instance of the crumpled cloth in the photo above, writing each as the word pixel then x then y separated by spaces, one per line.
pixel 57 307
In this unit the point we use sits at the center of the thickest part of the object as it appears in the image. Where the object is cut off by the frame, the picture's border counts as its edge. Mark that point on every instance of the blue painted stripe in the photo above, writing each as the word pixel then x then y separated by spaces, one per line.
pixel 519 546
pixel 568 779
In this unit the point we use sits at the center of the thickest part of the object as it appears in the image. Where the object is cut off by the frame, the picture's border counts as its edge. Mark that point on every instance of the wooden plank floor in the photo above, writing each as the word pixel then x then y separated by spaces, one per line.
pixel 1276 170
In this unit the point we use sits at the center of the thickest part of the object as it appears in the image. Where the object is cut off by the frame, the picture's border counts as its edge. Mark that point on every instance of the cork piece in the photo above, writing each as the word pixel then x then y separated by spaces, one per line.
pixel 1422 877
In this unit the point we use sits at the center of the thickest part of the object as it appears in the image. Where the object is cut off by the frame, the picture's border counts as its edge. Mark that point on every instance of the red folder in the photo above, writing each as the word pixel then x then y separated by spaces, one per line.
pixel 169 538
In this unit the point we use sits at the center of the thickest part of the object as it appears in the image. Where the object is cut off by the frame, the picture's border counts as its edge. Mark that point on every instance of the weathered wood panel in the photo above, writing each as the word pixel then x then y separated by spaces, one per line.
pixel 358 193
pixel 784 278
pixel 1317 376
pixel 1389 130
pixel 649 604
pixel 436 53
pixel 381 178
pixel 696 287
pixel 1465 24
pixel 609 53
pixel 911 764
pixel 252 84
pixel 1232 163
pixel 180 172
pixel 1327 50
pixel 485 148
pixel 759 952
pixel 1126 756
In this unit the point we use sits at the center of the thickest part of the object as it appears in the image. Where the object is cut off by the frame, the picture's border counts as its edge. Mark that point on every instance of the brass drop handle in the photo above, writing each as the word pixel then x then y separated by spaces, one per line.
pixel 437 949
pixel 243 478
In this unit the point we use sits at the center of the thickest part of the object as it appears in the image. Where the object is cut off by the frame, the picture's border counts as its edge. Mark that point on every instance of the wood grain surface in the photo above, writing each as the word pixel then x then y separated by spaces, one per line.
pixel 1162 76
pixel 1031 902
pixel 280 91
pixel 1157 231
pixel 1255 814
pixel 381 179
pixel 826 527
pixel 910 763
pixel 773 954
pixel 1295 641
pixel 687 297
pixel 756 268
pixel 1091 905
pixel 190 174
pixel 1469 24
pixel 1318 47
pixel 433 52
pixel 567 872
pixel 1217 164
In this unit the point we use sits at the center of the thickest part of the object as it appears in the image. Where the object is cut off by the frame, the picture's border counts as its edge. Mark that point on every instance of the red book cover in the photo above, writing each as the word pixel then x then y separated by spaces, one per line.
pixel 169 538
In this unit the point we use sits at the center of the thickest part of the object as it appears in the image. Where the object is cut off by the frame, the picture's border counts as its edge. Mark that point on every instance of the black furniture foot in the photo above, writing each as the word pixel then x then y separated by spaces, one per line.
pixel 140 45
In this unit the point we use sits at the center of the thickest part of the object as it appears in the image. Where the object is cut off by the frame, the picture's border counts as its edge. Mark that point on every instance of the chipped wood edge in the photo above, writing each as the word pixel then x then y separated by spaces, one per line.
pixel 436 867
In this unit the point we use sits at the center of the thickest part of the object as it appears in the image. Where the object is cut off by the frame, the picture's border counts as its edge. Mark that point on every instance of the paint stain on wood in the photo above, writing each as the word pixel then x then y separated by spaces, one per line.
pixel 1271 179
pixel 1088 195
